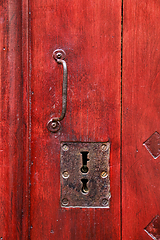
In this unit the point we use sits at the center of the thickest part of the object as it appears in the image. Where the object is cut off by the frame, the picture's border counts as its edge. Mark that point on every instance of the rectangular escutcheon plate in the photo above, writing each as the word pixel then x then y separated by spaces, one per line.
pixel 85 175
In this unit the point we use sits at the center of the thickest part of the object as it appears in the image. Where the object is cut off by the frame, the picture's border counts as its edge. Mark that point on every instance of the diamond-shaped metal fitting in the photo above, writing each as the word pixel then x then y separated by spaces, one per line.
pixel 152 144
pixel 153 228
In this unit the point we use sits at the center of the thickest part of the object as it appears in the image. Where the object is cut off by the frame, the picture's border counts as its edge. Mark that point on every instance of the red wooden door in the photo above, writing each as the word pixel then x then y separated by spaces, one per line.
pixel 89 32
pixel 140 119
pixel 113 95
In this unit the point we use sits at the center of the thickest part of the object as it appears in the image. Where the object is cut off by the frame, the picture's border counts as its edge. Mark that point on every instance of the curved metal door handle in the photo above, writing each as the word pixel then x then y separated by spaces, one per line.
pixel 54 124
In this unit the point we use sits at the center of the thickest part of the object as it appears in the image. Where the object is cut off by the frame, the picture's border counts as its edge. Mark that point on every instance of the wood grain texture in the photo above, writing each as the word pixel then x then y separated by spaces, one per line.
pixel 90 34
pixel 141 114
pixel 11 95
pixel 26 66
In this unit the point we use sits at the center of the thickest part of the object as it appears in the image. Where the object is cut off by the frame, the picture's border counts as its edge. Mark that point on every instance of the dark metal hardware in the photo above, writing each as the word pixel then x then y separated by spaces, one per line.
pixel 90 188
pixel 54 124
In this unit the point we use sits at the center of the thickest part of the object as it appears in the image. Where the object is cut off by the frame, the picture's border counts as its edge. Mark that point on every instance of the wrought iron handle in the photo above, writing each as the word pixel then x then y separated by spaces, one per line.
pixel 54 123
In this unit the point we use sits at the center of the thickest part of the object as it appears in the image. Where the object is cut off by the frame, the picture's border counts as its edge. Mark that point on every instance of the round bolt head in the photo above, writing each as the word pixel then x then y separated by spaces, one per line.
pixel 65 174
pixel 65 148
pixel 54 124
pixel 104 174
pixel 59 55
pixel 105 202
pixel 65 201
pixel 105 147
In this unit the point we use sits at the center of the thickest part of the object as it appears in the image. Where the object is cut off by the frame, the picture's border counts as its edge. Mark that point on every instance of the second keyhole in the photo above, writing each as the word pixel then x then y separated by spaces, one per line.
pixel 85 189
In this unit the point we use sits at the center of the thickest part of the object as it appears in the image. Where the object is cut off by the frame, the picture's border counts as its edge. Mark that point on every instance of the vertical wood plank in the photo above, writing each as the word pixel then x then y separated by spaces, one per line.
pixel 26 119
pixel 11 98
pixel 90 33
pixel 141 114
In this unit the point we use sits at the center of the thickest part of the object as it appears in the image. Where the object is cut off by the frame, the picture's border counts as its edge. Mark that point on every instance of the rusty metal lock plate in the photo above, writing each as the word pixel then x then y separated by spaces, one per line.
pixel 85 175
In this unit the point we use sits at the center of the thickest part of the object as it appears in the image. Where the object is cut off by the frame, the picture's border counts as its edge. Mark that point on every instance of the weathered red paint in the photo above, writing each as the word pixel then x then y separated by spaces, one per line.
pixel 89 32
pixel 11 114
pixel 141 98
pixel 153 228
pixel 26 68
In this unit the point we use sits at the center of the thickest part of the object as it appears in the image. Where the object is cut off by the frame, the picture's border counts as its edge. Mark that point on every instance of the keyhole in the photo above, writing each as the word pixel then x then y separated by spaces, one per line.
pixel 84 187
pixel 84 168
